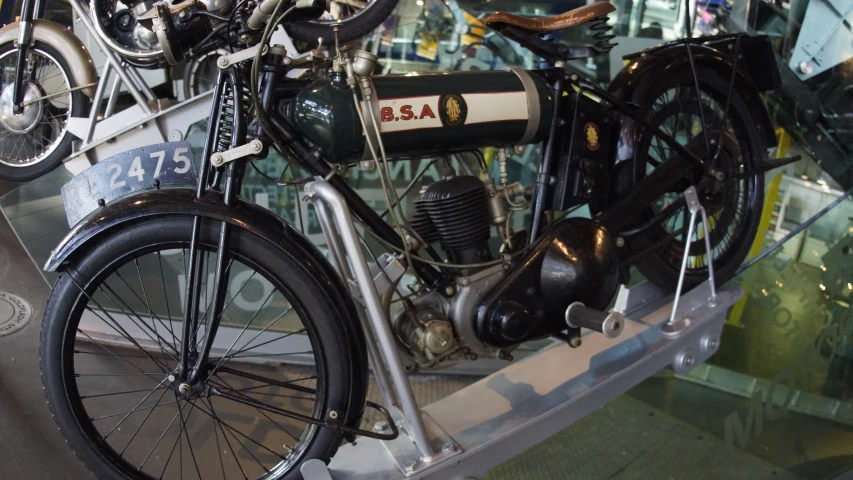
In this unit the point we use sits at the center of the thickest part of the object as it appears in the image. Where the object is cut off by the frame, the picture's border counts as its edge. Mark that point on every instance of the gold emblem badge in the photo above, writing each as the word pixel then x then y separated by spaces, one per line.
pixel 453 109
pixel 591 132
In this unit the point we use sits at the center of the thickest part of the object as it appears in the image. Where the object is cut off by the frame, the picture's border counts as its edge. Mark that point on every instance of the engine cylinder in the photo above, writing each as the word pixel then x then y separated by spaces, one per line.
pixel 456 213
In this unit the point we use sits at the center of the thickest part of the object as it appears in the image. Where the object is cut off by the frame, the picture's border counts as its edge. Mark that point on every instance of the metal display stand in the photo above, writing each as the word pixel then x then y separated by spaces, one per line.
pixel 150 121
pixel 513 409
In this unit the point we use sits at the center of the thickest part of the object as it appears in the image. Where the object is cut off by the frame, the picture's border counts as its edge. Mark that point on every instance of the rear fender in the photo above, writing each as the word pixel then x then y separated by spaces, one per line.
pixel 286 239
pixel 633 83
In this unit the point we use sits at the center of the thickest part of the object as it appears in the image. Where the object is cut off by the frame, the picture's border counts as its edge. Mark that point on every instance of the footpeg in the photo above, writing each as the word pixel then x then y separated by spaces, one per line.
pixel 610 324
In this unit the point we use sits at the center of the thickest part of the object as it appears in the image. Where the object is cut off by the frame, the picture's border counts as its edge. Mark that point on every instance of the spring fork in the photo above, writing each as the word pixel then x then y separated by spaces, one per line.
pixel 233 181
pixel 229 78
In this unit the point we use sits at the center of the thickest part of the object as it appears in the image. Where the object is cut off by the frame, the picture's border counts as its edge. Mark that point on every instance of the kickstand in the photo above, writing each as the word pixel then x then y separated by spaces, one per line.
pixel 676 325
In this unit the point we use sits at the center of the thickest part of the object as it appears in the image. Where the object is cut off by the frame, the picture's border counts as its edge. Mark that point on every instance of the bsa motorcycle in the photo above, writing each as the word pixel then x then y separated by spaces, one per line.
pixel 194 334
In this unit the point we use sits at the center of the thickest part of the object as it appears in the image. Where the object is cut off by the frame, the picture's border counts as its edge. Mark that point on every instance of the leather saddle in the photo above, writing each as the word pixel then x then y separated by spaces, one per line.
pixel 527 30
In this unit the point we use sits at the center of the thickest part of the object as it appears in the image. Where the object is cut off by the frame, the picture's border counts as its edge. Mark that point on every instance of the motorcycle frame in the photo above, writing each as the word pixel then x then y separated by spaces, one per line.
pixel 336 202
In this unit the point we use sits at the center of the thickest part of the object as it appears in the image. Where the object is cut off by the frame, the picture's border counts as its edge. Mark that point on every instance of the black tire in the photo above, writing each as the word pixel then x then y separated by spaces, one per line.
pixel 60 149
pixel 734 209
pixel 60 356
pixel 354 26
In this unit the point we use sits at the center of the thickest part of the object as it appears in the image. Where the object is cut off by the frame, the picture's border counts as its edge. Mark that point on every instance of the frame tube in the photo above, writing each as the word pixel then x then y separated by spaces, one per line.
pixel 376 315
pixel 333 240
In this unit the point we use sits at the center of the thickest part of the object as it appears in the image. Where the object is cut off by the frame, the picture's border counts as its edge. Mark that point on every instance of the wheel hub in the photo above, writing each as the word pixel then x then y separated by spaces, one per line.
pixel 30 115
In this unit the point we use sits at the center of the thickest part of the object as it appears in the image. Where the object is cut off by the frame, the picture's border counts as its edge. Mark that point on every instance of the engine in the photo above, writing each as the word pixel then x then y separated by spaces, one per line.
pixel 455 213
pixel 497 307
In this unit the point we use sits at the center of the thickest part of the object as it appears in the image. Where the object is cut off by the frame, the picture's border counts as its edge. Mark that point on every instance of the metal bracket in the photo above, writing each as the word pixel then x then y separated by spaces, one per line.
pixel 404 451
pixel 226 61
pixel 221 158
pixel 676 324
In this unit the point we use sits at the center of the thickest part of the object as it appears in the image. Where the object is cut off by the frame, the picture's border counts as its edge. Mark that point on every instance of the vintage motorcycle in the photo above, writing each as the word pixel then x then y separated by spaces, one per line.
pixel 194 334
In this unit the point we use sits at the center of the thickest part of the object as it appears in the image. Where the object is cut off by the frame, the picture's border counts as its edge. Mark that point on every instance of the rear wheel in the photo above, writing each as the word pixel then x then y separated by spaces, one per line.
pixel 733 200
pixel 111 340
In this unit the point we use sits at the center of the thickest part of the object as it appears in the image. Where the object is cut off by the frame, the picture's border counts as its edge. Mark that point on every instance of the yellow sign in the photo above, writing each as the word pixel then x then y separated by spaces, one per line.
pixel 591 132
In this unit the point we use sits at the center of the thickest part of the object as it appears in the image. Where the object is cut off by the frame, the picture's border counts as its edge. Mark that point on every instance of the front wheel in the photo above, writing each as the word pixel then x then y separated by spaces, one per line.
pixel 37 140
pixel 112 340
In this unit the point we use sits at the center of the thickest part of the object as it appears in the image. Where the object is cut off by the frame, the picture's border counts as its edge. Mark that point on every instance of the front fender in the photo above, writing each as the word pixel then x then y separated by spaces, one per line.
pixel 66 43
pixel 632 84
pixel 182 202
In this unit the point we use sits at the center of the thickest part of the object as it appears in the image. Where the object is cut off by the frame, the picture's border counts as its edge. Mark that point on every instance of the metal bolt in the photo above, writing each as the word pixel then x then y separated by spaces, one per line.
pixel 465 282
pixel 171 378
pixel 449 290
pixel 257 146
pixel 222 62
pixel 410 466
pixel 217 159
pixel 575 342
pixel 720 176
pixel 184 388
pixel 333 414
pixel 710 343
pixel 448 447
pixel 620 242
pixel 687 360
pixel 183 14
pixel 380 427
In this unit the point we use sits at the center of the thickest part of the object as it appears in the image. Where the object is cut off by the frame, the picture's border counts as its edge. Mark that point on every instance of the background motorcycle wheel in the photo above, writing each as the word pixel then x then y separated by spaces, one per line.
pixel 200 73
pixel 38 140
pixel 733 206
pixel 114 402
pixel 359 17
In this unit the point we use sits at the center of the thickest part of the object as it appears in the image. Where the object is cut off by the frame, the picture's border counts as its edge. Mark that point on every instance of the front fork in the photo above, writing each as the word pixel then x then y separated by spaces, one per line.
pixel 193 360
pixel 25 34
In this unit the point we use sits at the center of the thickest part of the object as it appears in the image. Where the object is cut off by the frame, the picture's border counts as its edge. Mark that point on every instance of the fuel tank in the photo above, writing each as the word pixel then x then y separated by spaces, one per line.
pixel 423 113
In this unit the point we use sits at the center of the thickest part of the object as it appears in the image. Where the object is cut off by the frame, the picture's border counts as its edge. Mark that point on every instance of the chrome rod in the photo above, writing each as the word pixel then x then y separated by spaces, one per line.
pixel 376 314
pixel 695 208
pixel 333 242
pixel 111 56
pixel 113 98
pixel 139 82
pixel 58 94
pixel 96 103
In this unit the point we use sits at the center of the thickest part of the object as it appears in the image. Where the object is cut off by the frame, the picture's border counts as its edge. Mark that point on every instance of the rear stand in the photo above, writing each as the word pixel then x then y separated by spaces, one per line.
pixel 515 408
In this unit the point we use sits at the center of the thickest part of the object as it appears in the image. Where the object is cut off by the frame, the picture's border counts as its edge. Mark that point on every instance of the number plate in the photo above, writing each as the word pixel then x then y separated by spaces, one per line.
pixel 169 163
